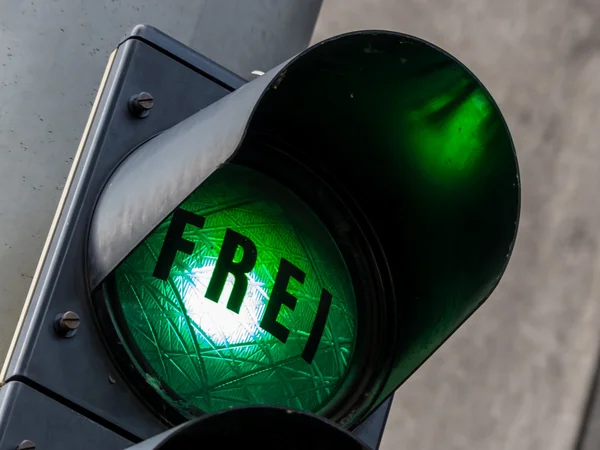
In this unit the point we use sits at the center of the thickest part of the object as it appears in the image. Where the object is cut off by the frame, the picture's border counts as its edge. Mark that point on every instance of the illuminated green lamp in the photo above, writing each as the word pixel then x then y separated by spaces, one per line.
pixel 246 295
pixel 240 296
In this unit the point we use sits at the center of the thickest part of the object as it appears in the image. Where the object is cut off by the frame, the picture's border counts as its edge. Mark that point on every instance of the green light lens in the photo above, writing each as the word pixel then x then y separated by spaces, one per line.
pixel 240 296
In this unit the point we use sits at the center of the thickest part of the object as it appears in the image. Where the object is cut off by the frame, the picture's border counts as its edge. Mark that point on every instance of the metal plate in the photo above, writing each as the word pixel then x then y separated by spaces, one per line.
pixel 81 366
pixel 29 414
pixel 371 430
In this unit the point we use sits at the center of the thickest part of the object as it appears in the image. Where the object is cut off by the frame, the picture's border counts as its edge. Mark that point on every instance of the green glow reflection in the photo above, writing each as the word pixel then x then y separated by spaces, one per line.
pixel 210 357
pixel 448 127
pixel 453 145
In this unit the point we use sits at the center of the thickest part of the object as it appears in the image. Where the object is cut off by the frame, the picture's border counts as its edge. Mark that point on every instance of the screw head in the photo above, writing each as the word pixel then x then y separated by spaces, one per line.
pixel 141 104
pixel 66 324
pixel 26 445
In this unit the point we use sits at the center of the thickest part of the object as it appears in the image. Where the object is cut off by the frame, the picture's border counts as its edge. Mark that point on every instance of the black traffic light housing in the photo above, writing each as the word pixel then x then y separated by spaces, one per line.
pixel 256 427
pixel 427 233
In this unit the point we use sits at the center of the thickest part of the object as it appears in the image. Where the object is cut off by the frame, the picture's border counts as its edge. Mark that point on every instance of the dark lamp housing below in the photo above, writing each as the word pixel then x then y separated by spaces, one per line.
pixel 257 427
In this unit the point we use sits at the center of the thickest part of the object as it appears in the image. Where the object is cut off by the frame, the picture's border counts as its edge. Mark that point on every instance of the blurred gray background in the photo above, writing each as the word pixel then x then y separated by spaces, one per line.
pixel 517 374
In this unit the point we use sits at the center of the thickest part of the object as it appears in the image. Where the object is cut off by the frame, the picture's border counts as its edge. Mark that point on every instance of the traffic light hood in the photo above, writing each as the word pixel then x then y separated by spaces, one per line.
pixel 392 141
pixel 414 141
pixel 264 427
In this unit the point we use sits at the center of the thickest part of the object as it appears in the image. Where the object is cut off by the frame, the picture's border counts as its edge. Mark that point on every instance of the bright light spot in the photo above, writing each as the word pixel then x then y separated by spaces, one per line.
pixel 222 325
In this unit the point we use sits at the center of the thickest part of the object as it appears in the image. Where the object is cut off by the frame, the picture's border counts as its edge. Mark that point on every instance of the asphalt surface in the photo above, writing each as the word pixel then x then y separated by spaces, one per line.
pixel 517 375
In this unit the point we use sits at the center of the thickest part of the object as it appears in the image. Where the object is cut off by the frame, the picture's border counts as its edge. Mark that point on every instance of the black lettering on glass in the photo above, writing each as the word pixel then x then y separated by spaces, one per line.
pixel 280 296
pixel 174 241
pixel 316 333
pixel 225 265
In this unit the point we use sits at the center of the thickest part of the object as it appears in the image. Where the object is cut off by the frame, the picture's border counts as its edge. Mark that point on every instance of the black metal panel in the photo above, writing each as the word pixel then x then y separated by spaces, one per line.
pixel 27 414
pixel 81 367
pixel 186 56
pixel 371 430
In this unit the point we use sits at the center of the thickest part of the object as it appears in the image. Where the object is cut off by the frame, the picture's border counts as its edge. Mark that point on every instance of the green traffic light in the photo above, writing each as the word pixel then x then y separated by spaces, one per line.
pixel 240 296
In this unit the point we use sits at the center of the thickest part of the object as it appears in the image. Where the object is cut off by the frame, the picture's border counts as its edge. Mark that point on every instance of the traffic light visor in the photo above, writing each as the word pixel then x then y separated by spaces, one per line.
pixel 363 202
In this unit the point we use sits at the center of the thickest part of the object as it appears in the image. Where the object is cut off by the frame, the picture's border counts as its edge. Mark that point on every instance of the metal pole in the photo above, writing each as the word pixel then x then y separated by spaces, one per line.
pixel 52 55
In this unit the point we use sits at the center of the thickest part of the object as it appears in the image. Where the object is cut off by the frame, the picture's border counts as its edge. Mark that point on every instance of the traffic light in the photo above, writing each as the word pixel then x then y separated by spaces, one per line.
pixel 264 427
pixel 305 240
